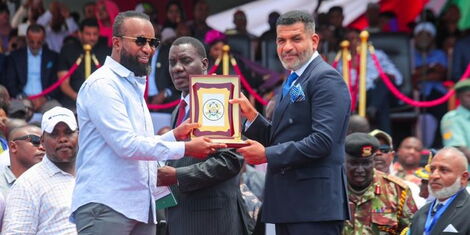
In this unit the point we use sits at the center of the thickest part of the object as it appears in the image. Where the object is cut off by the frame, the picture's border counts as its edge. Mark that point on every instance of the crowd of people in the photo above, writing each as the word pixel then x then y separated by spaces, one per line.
pixel 310 165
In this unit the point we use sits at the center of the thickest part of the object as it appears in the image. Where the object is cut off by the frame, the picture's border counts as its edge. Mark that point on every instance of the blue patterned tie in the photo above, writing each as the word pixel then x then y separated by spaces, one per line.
pixel 288 84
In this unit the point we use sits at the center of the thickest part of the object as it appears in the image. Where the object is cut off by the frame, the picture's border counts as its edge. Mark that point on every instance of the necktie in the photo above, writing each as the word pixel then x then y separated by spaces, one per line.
pixel 436 208
pixel 181 113
pixel 288 84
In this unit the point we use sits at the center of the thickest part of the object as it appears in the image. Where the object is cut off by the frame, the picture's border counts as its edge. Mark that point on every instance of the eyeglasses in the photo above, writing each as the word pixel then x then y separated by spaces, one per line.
pixel 34 139
pixel 385 148
pixel 141 41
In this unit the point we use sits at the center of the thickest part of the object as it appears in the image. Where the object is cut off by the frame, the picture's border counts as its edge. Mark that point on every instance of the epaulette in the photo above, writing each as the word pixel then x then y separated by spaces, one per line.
pixel 397 181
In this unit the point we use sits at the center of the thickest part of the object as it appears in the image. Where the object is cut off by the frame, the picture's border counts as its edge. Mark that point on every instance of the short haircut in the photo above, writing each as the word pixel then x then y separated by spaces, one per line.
pixel 35 28
pixel 121 17
pixel 335 8
pixel 88 23
pixel 192 41
pixel 296 16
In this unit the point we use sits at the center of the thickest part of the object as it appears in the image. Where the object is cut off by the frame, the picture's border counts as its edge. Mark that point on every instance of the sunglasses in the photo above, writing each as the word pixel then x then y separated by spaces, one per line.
pixel 34 139
pixel 385 148
pixel 141 41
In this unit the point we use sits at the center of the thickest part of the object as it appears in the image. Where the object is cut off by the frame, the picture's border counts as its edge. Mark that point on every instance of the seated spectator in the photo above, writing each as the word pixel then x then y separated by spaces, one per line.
pixel 409 157
pixel 379 203
pixel 240 22
pixel 455 125
pixel 58 24
pixel 25 151
pixel 198 25
pixel 106 11
pixel 31 70
pixel 89 10
pixel 448 213
pixel 39 201
pixel 378 95
pixel 89 34
pixel 430 69
pixel 5 27
pixel 27 14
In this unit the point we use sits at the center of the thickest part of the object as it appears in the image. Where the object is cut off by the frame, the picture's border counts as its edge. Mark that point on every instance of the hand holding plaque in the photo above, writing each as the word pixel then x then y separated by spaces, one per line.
pixel 219 120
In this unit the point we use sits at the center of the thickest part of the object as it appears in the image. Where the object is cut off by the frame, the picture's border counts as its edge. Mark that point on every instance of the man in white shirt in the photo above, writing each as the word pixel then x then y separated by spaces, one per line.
pixel 39 202
pixel 117 161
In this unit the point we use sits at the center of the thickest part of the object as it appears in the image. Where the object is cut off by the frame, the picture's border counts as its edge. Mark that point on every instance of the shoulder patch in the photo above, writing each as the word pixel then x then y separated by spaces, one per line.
pixel 397 181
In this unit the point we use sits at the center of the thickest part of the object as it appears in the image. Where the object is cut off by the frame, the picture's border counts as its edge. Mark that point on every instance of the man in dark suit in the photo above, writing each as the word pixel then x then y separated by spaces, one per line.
pixel 207 191
pixel 448 213
pixel 32 69
pixel 305 190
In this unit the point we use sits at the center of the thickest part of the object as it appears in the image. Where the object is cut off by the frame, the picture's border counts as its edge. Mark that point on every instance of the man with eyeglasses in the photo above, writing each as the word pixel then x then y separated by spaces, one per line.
pixel 117 164
pixel 379 203
pixel 383 162
pixel 39 201
pixel 25 150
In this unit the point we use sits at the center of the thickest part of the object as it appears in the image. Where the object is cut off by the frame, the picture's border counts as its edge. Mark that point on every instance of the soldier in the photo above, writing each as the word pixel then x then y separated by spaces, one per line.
pixel 379 203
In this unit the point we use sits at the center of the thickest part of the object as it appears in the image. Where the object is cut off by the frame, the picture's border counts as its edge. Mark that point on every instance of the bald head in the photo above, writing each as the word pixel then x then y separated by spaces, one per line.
pixel 358 124
pixel 453 156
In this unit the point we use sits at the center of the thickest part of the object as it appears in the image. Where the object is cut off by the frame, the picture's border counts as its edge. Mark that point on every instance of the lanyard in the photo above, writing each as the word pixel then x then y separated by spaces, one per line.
pixel 432 220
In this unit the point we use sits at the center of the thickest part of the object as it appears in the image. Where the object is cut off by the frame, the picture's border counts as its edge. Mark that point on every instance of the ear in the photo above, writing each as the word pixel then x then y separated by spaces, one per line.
pixel 315 40
pixel 116 42
pixel 205 64
pixel 12 146
pixel 465 178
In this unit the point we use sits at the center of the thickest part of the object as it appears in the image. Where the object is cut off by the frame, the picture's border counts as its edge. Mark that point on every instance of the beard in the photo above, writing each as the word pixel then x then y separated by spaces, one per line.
pixel 130 62
pixel 302 58
pixel 446 192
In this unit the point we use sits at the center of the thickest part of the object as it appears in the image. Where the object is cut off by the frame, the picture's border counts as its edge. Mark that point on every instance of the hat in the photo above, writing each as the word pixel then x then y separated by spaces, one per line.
pixel 55 115
pixel 424 172
pixel 379 134
pixel 16 106
pixel 462 86
pixel 361 145
pixel 425 26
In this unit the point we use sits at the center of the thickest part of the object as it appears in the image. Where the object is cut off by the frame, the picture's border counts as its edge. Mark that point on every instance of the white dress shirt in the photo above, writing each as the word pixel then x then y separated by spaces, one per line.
pixel 117 160
pixel 39 202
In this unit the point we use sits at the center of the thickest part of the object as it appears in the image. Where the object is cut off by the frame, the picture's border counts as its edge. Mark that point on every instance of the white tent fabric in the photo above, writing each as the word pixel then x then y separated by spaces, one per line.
pixel 257 12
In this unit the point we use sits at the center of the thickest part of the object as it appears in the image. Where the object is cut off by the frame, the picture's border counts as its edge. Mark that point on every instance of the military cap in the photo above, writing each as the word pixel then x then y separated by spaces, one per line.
pixel 462 86
pixel 361 145
pixel 382 135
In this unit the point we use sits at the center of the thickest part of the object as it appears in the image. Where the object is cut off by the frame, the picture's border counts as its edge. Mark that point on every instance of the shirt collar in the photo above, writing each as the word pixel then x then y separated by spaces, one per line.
pixel 122 71
pixel 303 67
pixel 30 53
pixel 10 177
pixel 51 168
pixel 462 110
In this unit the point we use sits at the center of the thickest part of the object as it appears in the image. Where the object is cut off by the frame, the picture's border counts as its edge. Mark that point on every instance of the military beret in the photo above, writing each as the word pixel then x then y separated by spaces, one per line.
pixel 462 85
pixel 361 145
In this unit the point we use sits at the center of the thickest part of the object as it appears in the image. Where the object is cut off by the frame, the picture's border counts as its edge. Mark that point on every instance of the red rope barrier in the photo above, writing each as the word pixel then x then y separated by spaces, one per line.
pixel 404 98
pixel 247 85
pixel 164 106
pixel 57 84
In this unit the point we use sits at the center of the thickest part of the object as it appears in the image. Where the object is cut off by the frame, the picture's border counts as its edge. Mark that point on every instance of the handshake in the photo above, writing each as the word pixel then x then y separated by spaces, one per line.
pixel 199 147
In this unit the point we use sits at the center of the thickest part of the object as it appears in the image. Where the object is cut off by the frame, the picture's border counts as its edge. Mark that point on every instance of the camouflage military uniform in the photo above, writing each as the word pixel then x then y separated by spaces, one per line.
pixel 386 207
pixel 401 173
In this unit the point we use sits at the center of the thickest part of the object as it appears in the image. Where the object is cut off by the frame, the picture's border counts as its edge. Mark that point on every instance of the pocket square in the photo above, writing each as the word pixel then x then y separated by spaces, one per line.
pixel 450 229
pixel 49 64
pixel 296 94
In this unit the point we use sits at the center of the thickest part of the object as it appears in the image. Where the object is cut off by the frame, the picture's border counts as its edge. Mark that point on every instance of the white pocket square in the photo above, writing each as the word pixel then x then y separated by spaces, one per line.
pixel 450 229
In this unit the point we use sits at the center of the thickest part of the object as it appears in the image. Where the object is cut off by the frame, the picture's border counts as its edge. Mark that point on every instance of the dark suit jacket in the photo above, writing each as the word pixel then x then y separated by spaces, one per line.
pixel 208 196
pixel 305 180
pixel 456 214
pixel 17 71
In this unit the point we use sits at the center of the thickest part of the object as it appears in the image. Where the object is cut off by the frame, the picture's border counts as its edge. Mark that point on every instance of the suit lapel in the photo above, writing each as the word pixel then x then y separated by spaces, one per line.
pixel 44 69
pixel 283 103
pixel 24 71
pixel 449 215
